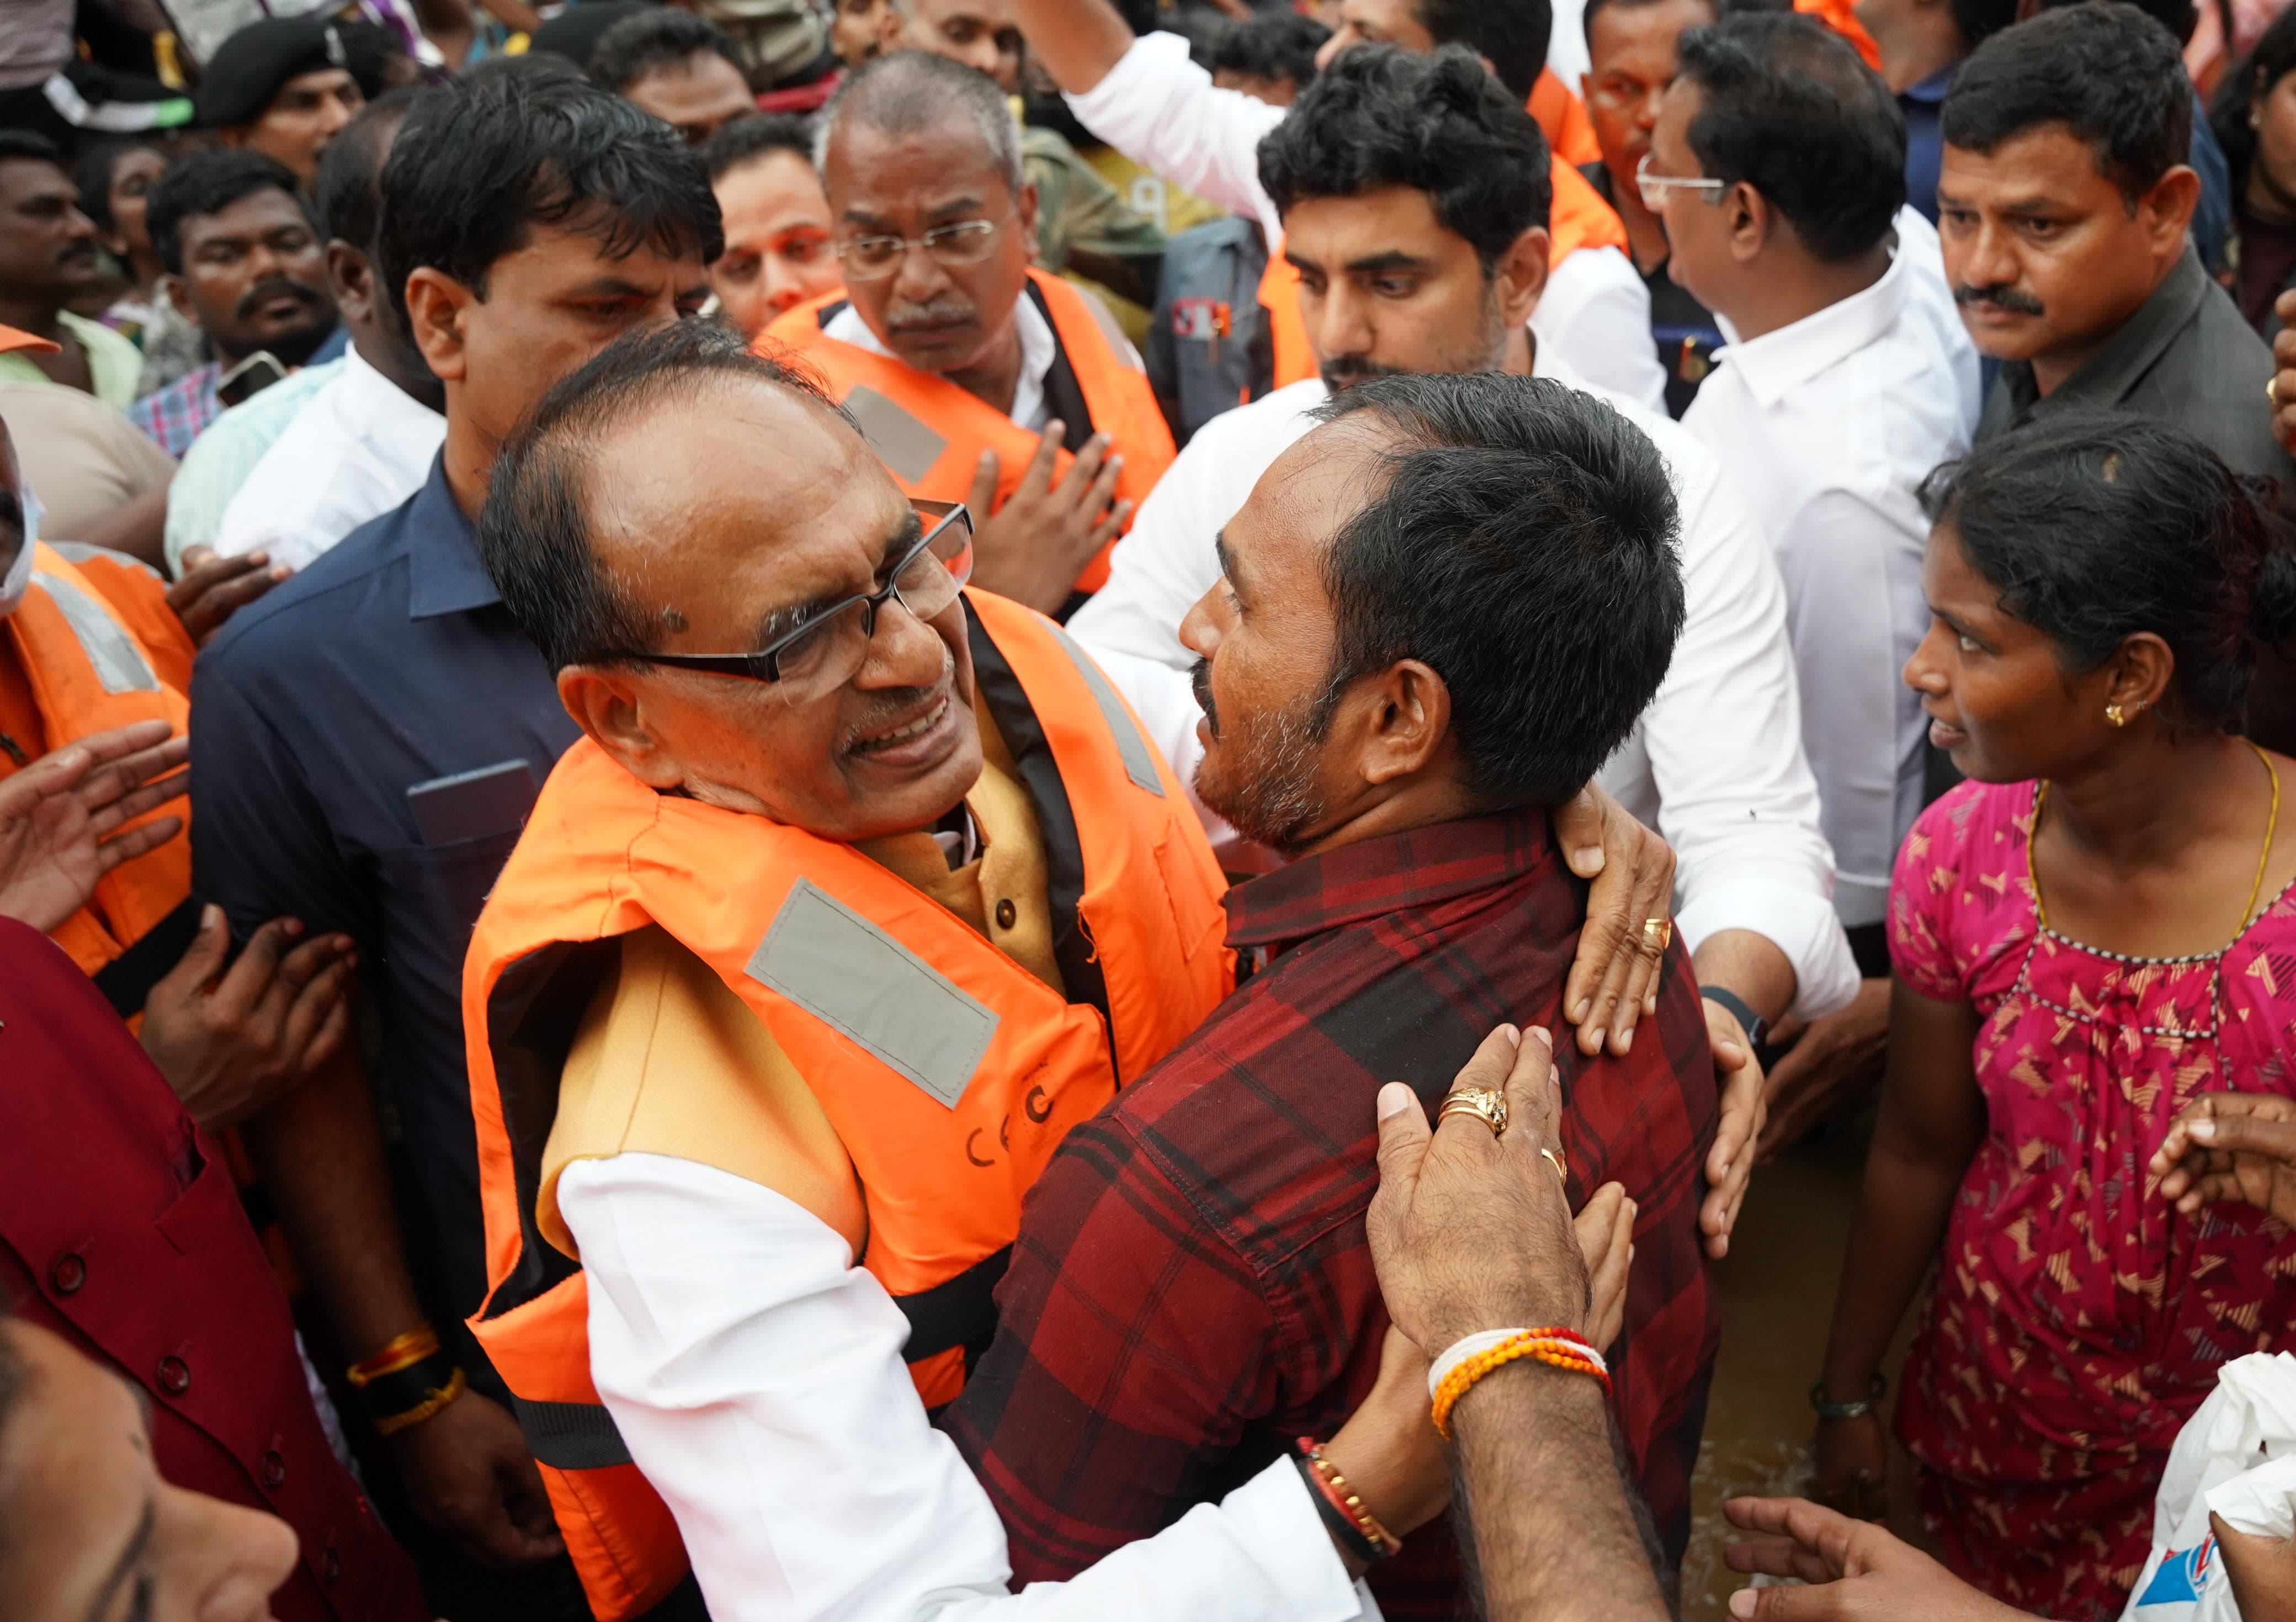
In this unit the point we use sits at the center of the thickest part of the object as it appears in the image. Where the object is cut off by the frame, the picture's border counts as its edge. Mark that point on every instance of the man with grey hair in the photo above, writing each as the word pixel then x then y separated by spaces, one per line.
pixel 976 377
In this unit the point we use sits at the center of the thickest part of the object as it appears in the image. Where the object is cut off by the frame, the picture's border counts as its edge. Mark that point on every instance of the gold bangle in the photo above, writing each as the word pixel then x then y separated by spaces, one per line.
pixel 403 1352
pixel 438 1398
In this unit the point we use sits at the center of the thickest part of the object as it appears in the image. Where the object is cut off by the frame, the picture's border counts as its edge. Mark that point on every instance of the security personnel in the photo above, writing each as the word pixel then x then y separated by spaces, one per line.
pixel 950 351
pixel 871 915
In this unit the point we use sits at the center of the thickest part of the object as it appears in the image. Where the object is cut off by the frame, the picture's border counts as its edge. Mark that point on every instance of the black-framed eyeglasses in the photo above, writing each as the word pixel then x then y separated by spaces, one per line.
pixel 822 654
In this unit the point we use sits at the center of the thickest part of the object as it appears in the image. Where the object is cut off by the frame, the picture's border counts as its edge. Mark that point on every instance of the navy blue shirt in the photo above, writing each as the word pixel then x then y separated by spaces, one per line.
pixel 1925 137
pixel 388 663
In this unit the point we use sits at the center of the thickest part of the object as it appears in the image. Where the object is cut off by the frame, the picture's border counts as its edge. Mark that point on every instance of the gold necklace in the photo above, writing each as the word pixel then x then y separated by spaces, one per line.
pixel 2256 887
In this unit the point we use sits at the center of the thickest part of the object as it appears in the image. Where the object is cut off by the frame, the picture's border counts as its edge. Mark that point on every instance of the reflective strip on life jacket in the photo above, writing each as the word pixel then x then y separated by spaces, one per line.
pixel 1578 218
pixel 929 432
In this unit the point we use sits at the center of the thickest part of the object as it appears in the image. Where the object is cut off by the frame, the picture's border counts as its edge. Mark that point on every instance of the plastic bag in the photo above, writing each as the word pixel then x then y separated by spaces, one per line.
pixel 2236 1456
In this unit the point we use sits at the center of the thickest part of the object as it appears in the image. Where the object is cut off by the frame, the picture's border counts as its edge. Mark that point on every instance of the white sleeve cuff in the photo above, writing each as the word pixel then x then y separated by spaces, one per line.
pixel 1799 924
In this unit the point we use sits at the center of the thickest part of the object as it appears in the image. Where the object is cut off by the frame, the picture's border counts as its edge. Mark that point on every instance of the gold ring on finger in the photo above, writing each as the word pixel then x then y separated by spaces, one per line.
pixel 1486 1103
pixel 1658 934
pixel 1554 1159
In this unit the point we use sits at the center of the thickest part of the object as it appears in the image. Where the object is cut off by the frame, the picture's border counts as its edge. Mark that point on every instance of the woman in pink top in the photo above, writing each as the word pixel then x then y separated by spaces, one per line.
pixel 2089 934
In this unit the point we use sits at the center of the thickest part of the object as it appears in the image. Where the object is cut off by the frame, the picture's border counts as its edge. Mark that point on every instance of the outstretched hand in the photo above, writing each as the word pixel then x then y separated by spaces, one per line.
pixel 61 817
pixel 1855 1570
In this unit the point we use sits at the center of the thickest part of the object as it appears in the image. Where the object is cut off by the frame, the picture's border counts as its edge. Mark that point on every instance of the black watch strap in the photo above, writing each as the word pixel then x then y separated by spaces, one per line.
pixel 1756 1026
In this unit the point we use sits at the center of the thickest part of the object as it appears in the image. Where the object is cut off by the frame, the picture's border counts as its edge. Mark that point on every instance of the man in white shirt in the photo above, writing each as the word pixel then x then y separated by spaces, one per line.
pixel 1777 163
pixel 1148 100
pixel 1436 234
pixel 364 442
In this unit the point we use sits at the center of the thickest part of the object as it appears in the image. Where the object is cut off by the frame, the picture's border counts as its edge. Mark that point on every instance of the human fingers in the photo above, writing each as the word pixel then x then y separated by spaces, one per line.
pixel 1111 526
pixel 1607 938
pixel 136 842
pixel 1653 902
pixel 1774 1557
pixel 1577 824
pixel 1084 470
pixel 136 802
pixel 317 1017
pixel 1610 1255
pixel 202 960
pixel 253 973
pixel 1730 1160
pixel 1532 1106
pixel 2246 1133
pixel 113 778
pixel 981 499
pixel 220 602
pixel 1038 479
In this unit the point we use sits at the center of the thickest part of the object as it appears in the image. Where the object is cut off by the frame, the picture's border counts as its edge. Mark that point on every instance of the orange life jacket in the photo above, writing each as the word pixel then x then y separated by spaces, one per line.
pixel 956 1070
pixel 929 434
pixel 1842 17
pixel 88 673
pixel 1578 218
pixel 1562 117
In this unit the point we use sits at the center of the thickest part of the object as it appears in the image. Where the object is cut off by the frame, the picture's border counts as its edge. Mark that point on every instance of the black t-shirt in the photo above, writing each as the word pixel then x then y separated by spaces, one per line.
pixel 1683 329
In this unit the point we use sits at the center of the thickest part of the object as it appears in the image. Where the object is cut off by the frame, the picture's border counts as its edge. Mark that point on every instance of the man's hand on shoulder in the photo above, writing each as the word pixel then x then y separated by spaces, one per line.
pixel 1613 980
pixel 213 589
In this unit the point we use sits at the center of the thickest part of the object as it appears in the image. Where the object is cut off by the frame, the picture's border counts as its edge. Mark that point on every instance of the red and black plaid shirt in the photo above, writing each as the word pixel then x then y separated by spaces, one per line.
pixel 1191 1287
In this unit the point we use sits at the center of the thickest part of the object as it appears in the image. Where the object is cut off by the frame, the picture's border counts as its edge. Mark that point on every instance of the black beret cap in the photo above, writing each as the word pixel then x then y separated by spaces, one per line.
pixel 249 68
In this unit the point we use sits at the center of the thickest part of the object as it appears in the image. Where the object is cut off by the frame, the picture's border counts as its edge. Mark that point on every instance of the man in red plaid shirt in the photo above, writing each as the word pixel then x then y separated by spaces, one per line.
pixel 1439 614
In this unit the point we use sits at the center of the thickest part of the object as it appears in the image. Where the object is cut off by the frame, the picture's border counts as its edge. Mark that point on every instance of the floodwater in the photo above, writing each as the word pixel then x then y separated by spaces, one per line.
pixel 1779 1284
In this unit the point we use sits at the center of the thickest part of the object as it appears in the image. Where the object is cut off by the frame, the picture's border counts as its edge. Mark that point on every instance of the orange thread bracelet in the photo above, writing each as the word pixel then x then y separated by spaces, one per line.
pixel 1549 1348
pixel 402 1352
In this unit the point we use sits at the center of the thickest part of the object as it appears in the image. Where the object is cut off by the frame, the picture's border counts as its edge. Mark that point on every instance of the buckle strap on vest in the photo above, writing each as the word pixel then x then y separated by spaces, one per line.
pixel 126 981
pixel 571 1436
pixel 956 1312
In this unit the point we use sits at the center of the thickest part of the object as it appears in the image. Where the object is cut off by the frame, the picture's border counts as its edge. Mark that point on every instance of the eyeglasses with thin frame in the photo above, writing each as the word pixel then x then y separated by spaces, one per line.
pixel 967 242
pixel 1654 188
pixel 822 654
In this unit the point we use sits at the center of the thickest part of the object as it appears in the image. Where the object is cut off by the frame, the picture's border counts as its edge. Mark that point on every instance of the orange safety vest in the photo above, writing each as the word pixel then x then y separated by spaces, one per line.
pixel 1562 117
pixel 956 1071
pixel 88 673
pixel 1579 218
pixel 1842 17
pixel 929 434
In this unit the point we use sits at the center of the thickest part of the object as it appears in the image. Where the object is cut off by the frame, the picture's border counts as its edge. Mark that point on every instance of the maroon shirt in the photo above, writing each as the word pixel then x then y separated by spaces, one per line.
pixel 120 1231
pixel 1192 1287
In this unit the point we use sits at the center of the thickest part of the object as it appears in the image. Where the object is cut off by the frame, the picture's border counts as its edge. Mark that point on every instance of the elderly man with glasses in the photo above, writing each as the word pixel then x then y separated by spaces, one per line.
pixel 976 378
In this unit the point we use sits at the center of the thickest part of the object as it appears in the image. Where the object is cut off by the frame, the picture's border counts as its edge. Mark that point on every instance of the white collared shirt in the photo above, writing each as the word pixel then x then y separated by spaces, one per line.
pixel 358 447
pixel 1715 762
pixel 1038 349
pixel 756 1375
pixel 1161 110
pixel 1830 426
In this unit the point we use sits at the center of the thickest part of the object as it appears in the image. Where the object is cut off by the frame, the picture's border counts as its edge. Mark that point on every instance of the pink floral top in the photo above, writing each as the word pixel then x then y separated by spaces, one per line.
pixel 2076 1320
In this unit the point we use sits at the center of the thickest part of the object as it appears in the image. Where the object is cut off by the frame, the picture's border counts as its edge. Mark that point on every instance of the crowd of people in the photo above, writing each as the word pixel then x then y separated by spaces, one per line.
pixel 909 808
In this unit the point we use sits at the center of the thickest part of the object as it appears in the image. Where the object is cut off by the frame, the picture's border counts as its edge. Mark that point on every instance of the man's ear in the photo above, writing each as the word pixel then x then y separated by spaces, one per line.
pixel 2166 209
pixel 1408 720
pixel 1025 209
pixel 179 294
pixel 351 275
pixel 437 306
pixel 1750 221
pixel 608 706
pixel 1520 277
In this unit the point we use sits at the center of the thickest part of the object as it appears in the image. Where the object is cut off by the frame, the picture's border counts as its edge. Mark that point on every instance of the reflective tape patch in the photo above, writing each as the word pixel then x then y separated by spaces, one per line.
pixel 120 664
pixel 1139 759
pixel 903 440
pixel 852 975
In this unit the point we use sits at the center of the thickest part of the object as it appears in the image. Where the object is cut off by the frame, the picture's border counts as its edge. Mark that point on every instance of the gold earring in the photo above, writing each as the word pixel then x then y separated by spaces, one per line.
pixel 2112 713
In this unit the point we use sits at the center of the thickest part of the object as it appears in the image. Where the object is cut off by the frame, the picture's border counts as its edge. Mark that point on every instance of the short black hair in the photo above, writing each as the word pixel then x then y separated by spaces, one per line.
pixel 1271 45
pixel 1524 544
pixel 753 135
pixel 1586 17
pixel 208 183
pixel 1510 35
pixel 1980 20
pixel 93 172
pixel 2252 76
pixel 31 146
pixel 2179 17
pixel 660 37
pixel 2096 525
pixel 1790 108
pixel 534 532
pixel 349 189
pixel 484 160
pixel 1379 117
pixel 2104 69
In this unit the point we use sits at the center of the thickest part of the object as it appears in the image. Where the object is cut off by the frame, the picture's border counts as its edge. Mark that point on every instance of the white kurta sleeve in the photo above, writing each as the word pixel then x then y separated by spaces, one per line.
pixel 1162 111
pixel 1737 800
pixel 756 1376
